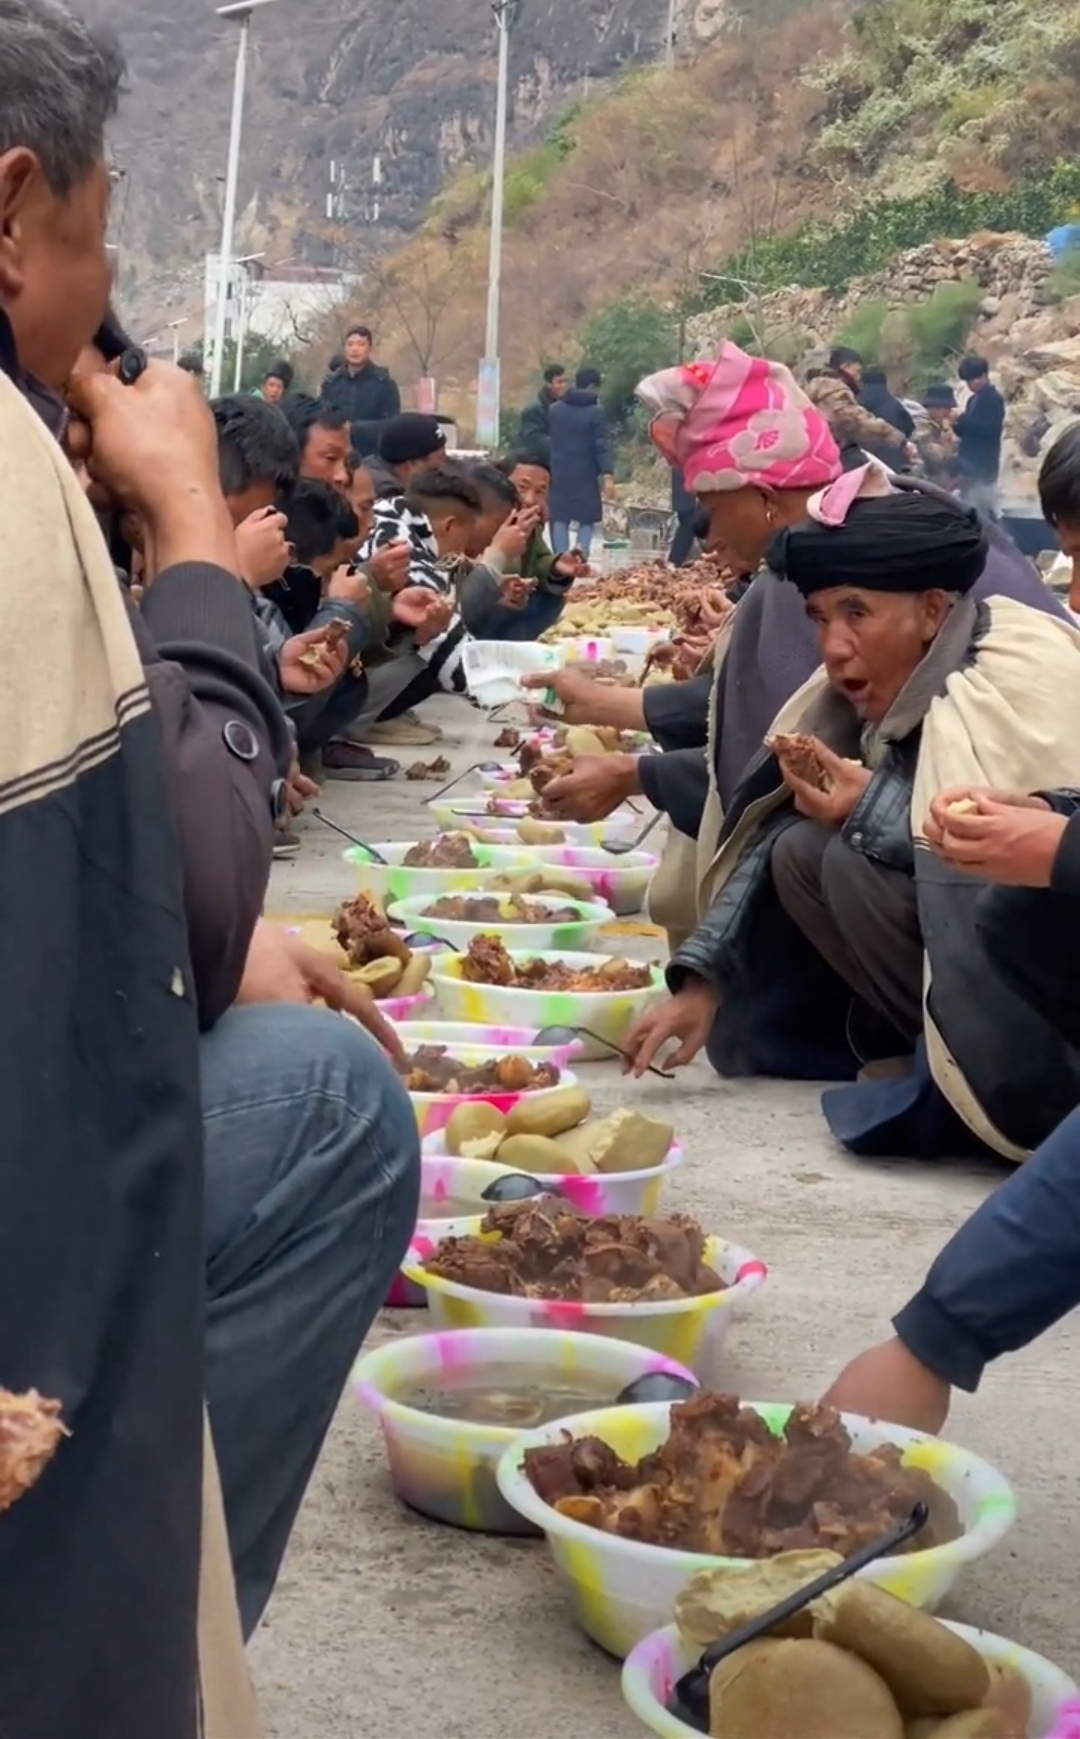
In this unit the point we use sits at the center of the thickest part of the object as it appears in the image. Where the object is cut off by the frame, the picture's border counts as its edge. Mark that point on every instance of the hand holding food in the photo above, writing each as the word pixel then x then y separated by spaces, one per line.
pixel 970 800
pixel 312 661
pixel 351 586
pixel 1011 844
pixel 593 788
pixel 262 549
pixel 825 785
pixel 389 567
pixel 31 1431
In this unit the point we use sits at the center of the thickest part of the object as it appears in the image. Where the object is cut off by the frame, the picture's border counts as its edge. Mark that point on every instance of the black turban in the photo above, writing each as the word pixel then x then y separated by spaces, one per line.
pixel 906 542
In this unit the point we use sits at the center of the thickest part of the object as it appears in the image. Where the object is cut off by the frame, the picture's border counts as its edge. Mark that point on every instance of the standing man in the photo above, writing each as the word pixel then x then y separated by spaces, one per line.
pixel 535 432
pixel 835 391
pixel 581 467
pixel 361 391
pixel 979 429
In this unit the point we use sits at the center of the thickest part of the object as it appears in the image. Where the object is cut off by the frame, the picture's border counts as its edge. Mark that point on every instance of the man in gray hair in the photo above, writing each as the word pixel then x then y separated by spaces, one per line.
pixel 141 766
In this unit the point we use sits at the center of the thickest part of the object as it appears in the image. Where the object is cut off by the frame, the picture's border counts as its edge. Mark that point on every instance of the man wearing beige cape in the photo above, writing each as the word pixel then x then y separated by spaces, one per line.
pixel 139 760
pixel 829 935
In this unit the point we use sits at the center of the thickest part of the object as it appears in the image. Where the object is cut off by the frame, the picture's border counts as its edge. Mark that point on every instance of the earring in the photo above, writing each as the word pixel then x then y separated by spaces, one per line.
pixel 770 513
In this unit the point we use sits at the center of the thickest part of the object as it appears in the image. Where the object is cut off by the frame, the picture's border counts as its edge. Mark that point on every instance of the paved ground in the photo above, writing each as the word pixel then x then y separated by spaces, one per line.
pixel 385 1626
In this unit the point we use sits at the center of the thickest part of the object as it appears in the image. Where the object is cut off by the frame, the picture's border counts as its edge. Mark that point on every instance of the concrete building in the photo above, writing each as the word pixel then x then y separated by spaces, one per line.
pixel 284 303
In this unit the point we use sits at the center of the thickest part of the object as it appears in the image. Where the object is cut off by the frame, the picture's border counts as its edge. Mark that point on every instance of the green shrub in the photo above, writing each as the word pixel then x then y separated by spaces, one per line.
pixel 863 331
pixel 626 339
pixel 528 176
pixel 1065 278
pixel 939 327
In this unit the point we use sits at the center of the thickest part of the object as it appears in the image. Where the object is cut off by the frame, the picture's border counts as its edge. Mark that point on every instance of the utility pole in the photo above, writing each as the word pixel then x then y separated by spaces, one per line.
pixel 489 394
pixel 669 40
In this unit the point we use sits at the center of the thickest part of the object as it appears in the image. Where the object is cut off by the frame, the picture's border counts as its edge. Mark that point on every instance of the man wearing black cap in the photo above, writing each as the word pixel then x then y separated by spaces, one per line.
pixel 935 437
pixel 404 445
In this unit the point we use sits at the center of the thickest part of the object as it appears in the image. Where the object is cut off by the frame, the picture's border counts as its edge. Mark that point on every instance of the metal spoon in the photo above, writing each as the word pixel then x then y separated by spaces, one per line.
pixel 690 1697
pixel 517 1186
pixel 345 834
pixel 477 767
pixel 564 1035
pixel 656 1386
pixel 619 847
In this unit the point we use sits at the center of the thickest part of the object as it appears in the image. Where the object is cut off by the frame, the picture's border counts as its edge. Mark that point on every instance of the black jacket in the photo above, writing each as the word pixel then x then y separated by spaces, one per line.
pixel 132 878
pixel 534 431
pixel 980 428
pixel 580 456
pixel 876 398
pixel 369 396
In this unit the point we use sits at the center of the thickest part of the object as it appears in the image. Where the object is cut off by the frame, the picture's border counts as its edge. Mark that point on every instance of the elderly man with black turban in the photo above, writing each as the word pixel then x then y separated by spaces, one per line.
pixel 833 937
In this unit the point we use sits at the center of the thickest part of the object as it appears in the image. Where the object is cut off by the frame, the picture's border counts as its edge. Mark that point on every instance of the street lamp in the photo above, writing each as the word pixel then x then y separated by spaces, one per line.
pixel 242 11
pixel 245 313
pixel 488 396
pixel 174 327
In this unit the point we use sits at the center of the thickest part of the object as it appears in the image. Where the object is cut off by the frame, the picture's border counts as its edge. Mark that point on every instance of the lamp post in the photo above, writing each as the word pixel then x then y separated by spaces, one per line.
pixel 242 11
pixel 174 328
pixel 488 396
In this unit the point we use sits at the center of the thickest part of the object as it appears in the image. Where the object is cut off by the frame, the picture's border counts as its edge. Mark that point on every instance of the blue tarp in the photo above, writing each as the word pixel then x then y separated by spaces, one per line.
pixel 1064 240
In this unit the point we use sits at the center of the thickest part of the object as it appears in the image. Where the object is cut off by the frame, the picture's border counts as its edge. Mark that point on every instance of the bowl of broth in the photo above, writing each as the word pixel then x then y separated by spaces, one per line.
pixel 451 1205
pixel 451 1404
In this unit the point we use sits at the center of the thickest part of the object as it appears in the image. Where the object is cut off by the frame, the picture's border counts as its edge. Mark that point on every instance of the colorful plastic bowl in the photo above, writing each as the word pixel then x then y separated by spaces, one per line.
pixel 587 649
pixel 610 1013
pixel 636 642
pixel 444 1177
pixel 493 1038
pixel 621 882
pixel 659 1660
pixel 620 1590
pixel 445 1468
pixel 616 1192
pixel 397 881
pixel 434 1110
pixel 575 934
pixel 621 827
pixel 406 1008
pixel 691 1330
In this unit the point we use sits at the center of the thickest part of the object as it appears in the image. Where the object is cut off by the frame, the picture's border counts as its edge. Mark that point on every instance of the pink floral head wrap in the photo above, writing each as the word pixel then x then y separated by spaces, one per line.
pixel 738 421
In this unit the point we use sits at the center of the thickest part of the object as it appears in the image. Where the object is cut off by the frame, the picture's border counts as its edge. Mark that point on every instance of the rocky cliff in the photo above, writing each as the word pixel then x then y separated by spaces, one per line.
pixel 411 85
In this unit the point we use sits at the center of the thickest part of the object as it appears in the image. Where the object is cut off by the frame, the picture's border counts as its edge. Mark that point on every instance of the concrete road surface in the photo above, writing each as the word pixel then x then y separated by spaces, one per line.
pixel 386 1626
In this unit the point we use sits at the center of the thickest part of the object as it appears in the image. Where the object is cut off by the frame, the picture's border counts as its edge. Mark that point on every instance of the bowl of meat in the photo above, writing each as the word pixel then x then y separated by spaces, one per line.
pixel 975 1682
pixel 451 1201
pixel 724 1485
pixel 544 1263
pixel 439 1078
pixel 445 864
pixel 495 1038
pixel 451 1403
pixel 621 882
pixel 507 814
pixel 546 988
pixel 617 1164
pixel 359 938
pixel 522 920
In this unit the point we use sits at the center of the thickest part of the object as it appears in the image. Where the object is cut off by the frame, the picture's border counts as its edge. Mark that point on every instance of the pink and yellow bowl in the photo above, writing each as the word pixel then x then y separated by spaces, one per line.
pixel 434 1110
pixel 620 1589
pixel 609 1013
pixel 445 1468
pixel 615 1192
pixel 690 1330
pixel 658 1661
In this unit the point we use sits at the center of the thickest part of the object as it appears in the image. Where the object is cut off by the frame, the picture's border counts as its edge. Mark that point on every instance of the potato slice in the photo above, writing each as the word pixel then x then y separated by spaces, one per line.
pixel 381 976
pixel 800 1690
pixel 929 1670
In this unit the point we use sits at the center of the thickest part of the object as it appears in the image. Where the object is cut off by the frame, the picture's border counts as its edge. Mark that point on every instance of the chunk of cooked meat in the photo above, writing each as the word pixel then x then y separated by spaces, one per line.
pixel 487 962
pixel 799 752
pixel 551 767
pixel 436 769
pixel 508 738
pixel 31 1431
pixel 445 851
pixel 432 1069
pixel 362 929
pixel 547 1248
pixel 723 1483
pixel 498 909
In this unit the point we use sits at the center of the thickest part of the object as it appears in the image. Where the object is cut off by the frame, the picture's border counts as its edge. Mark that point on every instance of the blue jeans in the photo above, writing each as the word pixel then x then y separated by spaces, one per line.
pixel 498 622
pixel 560 536
pixel 312 1187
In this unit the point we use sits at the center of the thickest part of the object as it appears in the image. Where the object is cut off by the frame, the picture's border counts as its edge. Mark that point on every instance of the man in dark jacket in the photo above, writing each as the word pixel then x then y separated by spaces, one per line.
pixel 979 428
pixel 534 434
pixel 361 391
pixel 581 466
pixel 144 756
pixel 875 397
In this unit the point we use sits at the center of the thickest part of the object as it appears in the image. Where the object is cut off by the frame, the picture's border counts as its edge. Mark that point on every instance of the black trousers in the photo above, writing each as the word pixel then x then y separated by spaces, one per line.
pixel 682 543
pixel 1032 936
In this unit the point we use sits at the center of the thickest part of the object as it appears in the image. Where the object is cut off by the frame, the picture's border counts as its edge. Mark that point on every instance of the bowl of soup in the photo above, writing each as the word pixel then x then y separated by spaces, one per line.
pixel 451 1404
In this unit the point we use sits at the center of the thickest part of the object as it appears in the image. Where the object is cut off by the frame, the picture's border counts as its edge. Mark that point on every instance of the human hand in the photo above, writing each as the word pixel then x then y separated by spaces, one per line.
pixel 350 586
pixel 888 1382
pixel 440 614
pixel 576 692
pixel 515 592
pixel 389 567
pixel 150 445
pixel 303 673
pixel 688 1016
pixel 715 607
pixel 282 968
pixel 597 785
pixel 298 789
pixel 514 533
pixel 262 549
pixel 832 807
pixel 571 566
pixel 611 493
pixel 937 821
pixel 1014 844
pixel 424 611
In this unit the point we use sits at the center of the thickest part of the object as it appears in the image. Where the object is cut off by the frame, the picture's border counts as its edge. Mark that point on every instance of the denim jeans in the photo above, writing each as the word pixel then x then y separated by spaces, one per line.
pixel 560 536
pixel 497 622
pixel 312 1187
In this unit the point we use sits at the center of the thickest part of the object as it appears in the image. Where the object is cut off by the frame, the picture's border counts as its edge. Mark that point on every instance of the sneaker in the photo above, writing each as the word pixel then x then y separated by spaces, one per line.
pixel 408 731
pixel 342 759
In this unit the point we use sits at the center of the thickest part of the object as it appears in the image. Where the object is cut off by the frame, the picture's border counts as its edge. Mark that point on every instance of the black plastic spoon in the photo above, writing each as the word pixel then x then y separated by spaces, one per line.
pixel 689 1701
pixel 351 837
pixel 565 1035
pixel 656 1386
pixel 619 847
pixel 517 1186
